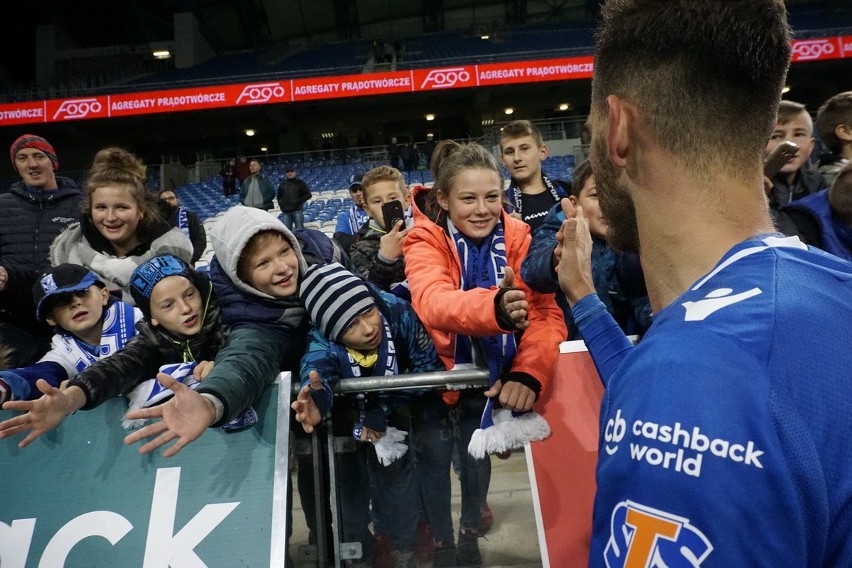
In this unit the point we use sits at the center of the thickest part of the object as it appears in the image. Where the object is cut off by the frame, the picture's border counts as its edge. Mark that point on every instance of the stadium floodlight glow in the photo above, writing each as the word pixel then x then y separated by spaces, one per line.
pixel 786 89
pixel 249 132
pixel 485 36
pixel 565 106
pixel 508 110
pixel 162 54
pixel 430 116
pixel 264 149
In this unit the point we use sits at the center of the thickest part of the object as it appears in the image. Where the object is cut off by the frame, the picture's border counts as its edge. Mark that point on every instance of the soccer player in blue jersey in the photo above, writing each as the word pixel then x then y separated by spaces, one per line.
pixel 726 432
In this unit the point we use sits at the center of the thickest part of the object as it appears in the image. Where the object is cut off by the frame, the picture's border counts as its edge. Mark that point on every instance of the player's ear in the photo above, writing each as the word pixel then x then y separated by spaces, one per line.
pixel 618 130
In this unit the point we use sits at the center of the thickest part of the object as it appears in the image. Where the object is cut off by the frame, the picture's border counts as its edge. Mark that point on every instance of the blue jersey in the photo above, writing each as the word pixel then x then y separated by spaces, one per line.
pixel 351 220
pixel 726 433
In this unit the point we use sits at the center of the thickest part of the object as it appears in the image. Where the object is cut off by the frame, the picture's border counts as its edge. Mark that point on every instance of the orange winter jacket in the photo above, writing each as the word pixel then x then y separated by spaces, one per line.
pixel 433 270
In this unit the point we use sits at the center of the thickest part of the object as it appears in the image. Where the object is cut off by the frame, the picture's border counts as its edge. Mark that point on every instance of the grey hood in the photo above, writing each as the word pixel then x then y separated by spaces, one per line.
pixel 234 229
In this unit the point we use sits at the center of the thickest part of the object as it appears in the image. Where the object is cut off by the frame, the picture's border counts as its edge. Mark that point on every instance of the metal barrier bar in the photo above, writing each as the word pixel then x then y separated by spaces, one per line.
pixel 463 378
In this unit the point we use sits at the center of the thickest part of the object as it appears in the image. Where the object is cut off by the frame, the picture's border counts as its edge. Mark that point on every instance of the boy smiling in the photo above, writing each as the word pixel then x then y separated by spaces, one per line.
pixel 90 325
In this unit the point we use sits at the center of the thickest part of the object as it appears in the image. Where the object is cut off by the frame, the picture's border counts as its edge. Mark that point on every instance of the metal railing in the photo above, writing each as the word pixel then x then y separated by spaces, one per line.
pixel 457 378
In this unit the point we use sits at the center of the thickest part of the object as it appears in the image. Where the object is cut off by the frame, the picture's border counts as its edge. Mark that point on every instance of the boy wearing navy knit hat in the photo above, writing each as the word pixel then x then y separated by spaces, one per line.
pixel 359 330
pixel 89 325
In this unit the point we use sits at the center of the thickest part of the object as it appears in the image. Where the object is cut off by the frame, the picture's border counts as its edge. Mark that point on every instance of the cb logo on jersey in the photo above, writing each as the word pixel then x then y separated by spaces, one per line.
pixel 644 537
pixel 614 432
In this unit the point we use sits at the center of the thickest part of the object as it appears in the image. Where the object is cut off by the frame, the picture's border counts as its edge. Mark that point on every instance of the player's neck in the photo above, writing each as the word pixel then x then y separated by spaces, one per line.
pixel 686 228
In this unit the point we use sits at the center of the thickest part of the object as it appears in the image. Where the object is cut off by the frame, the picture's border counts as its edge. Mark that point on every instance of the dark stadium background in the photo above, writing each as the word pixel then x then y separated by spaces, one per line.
pixel 231 26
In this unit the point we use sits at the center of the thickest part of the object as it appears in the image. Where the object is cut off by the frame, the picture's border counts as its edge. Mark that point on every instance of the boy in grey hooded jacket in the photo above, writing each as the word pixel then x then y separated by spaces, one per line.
pixel 255 273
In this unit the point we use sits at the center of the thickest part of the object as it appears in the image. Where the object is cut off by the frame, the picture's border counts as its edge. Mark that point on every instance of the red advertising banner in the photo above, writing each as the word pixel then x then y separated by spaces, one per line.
pixel 351 85
pixel 176 100
pixel 562 467
pixel 23 113
pixel 531 71
pixel 846 46
pixel 367 84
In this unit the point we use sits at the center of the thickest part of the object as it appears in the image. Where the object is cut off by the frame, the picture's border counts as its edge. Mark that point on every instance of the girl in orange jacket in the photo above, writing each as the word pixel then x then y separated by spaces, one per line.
pixel 463 258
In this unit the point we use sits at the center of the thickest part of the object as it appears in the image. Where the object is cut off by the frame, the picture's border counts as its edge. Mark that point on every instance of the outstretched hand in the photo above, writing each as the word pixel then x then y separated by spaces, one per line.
pixel 307 413
pixel 574 268
pixel 184 418
pixel 43 414
pixel 514 303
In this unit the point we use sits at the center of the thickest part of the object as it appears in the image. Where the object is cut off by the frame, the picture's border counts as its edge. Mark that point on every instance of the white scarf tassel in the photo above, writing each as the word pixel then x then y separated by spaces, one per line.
pixel 508 434
pixel 390 447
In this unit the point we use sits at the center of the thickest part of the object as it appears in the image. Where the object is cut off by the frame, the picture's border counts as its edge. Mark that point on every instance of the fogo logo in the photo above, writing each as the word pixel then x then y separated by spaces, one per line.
pixel 261 93
pixel 614 432
pixel 445 78
pixel 77 108
pixel 813 49
pixel 642 536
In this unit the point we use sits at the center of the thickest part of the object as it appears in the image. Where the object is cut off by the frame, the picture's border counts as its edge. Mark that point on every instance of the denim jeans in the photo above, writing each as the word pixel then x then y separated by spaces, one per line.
pixel 293 219
pixel 395 494
pixel 432 443
pixel 474 474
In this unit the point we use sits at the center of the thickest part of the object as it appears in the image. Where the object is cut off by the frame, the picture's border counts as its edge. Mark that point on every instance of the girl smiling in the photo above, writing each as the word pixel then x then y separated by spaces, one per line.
pixel 122 225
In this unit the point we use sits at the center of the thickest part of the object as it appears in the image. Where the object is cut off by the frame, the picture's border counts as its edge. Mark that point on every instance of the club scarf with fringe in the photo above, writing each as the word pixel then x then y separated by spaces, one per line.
pixel 391 446
pixel 500 429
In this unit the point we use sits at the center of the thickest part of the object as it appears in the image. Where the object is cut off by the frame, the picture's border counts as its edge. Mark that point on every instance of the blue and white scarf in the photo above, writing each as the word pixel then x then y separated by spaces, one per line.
pixel 118 328
pixel 391 446
pixel 356 218
pixel 151 393
pixel 516 196
pixel 183 221
pixel 484 266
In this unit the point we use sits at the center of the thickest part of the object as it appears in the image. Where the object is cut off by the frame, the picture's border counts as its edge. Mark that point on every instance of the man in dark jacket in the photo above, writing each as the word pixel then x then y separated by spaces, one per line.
pixel 186 221
pixel 292 195
pixel 257 189
pixel 32 213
